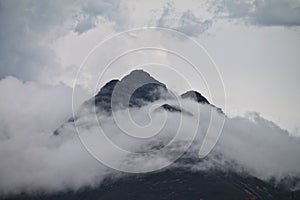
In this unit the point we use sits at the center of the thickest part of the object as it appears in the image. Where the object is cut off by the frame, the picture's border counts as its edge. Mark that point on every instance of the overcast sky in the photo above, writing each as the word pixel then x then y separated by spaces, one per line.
pixel 255 44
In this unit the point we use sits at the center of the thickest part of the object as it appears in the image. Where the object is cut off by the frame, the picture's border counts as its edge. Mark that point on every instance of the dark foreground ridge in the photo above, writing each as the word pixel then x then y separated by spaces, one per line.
pixel 175 184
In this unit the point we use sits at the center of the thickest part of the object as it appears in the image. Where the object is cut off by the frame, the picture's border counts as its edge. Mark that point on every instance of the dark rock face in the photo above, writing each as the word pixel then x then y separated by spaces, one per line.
pixel 134 90
pixel 147 93
pixel 103 98
pixel 137 89
pixel 195 96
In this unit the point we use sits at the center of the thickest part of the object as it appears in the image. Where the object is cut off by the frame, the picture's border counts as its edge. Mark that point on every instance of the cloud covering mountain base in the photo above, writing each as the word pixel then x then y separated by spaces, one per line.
pixel 33 159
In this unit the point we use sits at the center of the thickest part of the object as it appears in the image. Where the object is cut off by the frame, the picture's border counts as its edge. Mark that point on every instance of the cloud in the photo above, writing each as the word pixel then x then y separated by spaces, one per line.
pixel 25 34
pixel 261 147
pixel 28 29
pixel 91 11
pixel 185 22
pixel 33 159
pixel 256 12
pixel 262 12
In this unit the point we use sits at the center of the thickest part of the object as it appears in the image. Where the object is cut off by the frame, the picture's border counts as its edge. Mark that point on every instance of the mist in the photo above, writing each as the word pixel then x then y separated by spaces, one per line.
pixel 33 159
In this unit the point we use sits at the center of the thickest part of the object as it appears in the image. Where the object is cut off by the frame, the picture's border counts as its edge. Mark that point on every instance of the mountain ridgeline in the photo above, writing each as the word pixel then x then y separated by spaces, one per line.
pixel 136 90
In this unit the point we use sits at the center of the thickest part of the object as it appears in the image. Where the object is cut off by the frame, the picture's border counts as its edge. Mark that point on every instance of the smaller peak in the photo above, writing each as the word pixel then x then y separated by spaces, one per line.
pixel 192 94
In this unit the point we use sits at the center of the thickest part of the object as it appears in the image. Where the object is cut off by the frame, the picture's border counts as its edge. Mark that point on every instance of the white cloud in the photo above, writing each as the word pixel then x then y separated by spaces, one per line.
pixel 29 28
pixel 185 22
pixel 33 159
pixel 90 11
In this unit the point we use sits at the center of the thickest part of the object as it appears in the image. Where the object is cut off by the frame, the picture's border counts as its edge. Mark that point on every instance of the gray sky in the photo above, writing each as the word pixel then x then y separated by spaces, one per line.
pixel 255 44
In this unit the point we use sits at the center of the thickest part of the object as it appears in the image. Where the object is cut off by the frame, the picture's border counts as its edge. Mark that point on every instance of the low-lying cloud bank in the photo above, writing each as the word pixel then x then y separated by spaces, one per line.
pixel 33 159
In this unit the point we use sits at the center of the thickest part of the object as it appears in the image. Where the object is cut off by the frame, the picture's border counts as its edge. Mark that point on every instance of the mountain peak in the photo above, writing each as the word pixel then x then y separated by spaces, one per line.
pixel 139 72
pixel 138 77
pixel 134 90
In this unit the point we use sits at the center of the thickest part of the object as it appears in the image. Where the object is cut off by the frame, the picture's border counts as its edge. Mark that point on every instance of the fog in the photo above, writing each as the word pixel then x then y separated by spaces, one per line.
pixel 33 159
